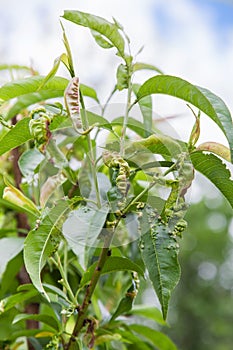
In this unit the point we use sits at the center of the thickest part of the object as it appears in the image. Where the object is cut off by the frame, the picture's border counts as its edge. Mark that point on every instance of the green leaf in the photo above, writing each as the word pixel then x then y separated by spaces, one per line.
pixel 133 124
pixel 53 71
pixel 48 320
pixel 145 105
pixel 15 136
pixel 31 99
pixel 29 161
pixel 113 264
pixel 158 144
pixel 40 244
pixel 100 40
pixel 100 25
pixel 129 337
pixel 9 248
pixel 18 298
pixel 31 84
pixel 89 92
pixel 140 66
pixel 148 312
pixel 159 250
pixel 160 340
pixel 216 171
pixel 89 222
pixel 201 98
pixel 15 67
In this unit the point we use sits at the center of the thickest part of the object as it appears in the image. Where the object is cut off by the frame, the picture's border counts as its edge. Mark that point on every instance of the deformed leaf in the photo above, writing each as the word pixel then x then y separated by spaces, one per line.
pixel 108 30
pixel 201 98
pixel 159 250
pixel 216 148
pixel 41 243
pixel 216 171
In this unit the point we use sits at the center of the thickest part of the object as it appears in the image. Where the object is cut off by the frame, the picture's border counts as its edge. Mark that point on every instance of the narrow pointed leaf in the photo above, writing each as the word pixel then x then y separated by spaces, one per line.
pixel 28 85
pixel 98 24
pixel 40 244
pixel 46 319
pixel 145 105
pixel 100 40
pixel 54 70
pixel 15 136
pixel 32 98
pixel 201 98
pixel 160 340
pixel 89 92
pixel 141 66
pixel 159 250
pixel 148 312
pixel 113 264
pixel 9 248
pixel 216 171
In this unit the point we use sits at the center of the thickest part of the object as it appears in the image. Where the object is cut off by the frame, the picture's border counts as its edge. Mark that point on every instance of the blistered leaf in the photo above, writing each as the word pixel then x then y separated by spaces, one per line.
pixel 216 171
pixel 41 243
pixel 100 25
pixel 201 98
pixel 122 77
pixel 159 250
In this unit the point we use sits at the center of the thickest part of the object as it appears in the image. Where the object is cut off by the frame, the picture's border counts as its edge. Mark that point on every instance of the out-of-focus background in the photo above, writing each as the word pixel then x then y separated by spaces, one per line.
pixel 192 39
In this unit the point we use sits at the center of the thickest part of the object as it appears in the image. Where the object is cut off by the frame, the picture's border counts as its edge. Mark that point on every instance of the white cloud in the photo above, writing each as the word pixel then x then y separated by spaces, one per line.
pixel 184 45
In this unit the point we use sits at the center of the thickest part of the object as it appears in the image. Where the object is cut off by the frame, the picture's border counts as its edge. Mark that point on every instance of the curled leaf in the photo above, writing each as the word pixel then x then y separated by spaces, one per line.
pixel 216 148
pixel 16 197
pixel 72 103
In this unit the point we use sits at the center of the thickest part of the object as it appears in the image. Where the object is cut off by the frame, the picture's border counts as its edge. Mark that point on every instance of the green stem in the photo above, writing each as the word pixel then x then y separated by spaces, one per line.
pixel 65 282
pixel 91 287
pixel 137 198
pixel 126 118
